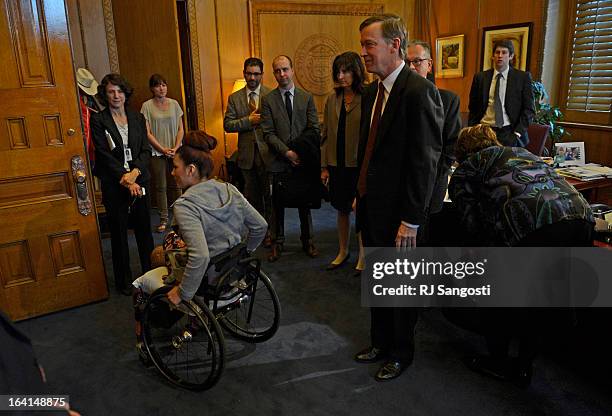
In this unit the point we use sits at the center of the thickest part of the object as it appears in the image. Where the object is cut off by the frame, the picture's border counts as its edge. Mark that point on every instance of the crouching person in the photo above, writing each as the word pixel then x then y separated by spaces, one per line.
pixel 210 218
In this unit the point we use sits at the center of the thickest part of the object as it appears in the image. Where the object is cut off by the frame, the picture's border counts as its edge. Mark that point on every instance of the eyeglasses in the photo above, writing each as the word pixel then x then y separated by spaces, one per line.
pixel 252 74
pixel 417 61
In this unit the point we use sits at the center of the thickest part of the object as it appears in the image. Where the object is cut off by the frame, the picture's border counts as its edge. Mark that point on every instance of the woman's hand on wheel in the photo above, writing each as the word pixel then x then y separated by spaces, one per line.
pixel 173 295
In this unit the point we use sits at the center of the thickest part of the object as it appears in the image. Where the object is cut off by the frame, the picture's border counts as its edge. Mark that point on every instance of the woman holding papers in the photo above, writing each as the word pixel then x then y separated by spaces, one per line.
pixel 122 164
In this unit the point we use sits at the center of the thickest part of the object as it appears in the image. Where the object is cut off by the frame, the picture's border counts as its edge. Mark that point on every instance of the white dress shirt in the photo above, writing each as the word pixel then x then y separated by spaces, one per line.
pixel 489 117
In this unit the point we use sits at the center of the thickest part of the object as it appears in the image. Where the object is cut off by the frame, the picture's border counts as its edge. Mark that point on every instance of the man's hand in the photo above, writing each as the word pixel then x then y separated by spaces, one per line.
pixel 173 295
pixel 406 237
pixel 293 157
pixel 255 118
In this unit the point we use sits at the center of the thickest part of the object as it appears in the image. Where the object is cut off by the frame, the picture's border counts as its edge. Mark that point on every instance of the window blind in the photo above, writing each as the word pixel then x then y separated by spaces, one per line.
pixel 590 79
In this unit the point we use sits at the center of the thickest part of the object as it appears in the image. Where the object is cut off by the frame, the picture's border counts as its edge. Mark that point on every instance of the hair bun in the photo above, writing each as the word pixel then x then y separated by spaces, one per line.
pixel 199 140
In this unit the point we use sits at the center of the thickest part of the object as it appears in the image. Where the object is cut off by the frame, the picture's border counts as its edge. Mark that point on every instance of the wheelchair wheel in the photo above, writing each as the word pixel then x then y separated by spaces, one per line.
pixel 186 344
pixel 255 316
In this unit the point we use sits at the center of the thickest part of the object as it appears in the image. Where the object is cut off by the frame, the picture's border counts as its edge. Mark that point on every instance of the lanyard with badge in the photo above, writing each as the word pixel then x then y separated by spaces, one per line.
pixel 127 152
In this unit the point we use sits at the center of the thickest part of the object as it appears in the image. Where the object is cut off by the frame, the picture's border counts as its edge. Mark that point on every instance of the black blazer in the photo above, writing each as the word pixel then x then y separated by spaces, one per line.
pixel 109 163
pixel 403 165
pixel 450 132
pixel 519 103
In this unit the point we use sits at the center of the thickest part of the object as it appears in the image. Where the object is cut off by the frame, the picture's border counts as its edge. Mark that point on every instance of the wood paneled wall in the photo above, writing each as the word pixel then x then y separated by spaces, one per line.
pixel 88 36
pixel 473 15
pixel 224 37
pixel 469 17
pixel 148 43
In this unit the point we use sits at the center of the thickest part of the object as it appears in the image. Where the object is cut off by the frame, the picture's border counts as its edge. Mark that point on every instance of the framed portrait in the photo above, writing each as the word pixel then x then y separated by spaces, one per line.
pixel 449 57
pixel 518 34
pixel 570 153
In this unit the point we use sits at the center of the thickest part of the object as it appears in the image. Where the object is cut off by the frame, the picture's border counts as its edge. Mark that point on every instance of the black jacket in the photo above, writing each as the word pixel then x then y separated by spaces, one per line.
pixel 109 163
pixel 403 166
pixel 452 126
pixel 518 103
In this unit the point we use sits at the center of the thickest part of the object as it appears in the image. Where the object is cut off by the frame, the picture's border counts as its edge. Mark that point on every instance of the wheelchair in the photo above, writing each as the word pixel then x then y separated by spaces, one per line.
pixel 186 343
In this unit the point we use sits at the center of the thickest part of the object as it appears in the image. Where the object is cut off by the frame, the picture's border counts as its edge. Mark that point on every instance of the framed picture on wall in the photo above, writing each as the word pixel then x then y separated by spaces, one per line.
pixel 520 36
pixel 449 57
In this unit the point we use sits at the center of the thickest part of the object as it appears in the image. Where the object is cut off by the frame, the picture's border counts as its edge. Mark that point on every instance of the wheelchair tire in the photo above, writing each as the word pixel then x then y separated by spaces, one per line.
pixel 188 347
pixel 256 316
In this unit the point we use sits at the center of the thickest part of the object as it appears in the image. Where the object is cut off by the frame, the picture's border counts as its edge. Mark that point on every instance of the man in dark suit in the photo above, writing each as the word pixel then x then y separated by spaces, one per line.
pixel 502 97
pixel 399 148
pixel 243 117
pixel 287 112
pixel 419 60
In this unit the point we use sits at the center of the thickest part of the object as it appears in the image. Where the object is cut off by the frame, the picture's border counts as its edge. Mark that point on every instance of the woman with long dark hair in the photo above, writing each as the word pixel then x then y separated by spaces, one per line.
pixel 339 142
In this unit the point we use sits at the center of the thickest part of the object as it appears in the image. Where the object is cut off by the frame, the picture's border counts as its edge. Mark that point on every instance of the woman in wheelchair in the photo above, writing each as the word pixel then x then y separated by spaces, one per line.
pixel 211 217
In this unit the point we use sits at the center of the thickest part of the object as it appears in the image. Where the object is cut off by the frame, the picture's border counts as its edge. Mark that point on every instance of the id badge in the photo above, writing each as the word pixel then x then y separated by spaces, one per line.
pixel 128 154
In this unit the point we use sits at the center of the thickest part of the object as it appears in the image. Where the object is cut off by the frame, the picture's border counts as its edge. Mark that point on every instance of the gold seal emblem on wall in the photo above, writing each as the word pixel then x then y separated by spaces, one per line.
pixel 313 63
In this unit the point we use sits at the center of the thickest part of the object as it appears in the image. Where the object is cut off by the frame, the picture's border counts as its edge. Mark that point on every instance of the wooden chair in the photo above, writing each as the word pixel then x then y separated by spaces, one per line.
pixel 538 133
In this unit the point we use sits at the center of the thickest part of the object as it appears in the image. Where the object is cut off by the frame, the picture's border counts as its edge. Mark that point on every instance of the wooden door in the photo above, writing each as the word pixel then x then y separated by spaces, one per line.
pixel 50 254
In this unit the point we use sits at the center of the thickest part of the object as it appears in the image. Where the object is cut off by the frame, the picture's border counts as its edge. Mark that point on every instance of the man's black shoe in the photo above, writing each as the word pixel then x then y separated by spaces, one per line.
pixel 389 370
pixel 370 355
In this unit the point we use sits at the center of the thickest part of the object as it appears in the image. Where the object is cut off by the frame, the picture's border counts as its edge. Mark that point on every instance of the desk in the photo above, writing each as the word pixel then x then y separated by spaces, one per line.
pixel 591 189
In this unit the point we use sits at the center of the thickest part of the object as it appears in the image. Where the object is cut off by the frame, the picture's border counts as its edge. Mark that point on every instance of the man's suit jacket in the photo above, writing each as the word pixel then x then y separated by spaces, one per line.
pixel 518 103
pixel 278 132
pixel 109 163
pixel 450 132
pixel 403 165
pixel 236 120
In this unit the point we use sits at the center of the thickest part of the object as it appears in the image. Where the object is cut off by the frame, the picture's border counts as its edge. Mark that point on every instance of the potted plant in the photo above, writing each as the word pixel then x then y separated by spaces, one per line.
pixel 547 114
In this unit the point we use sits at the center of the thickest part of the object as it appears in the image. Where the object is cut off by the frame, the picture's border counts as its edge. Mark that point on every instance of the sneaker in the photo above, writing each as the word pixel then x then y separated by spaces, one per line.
pixel 228 297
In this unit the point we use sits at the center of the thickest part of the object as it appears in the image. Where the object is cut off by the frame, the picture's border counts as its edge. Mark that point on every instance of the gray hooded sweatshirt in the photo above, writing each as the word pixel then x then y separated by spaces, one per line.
pixel 212 217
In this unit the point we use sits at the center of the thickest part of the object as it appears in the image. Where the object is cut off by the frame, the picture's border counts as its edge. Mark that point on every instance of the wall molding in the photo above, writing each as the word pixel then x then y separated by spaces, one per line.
pixel 195 62
pixel 257 8
pixel 111 40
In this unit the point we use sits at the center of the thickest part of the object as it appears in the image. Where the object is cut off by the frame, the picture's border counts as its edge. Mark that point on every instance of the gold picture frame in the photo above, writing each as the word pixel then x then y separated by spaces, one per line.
pixel 520 36
pixel 450 56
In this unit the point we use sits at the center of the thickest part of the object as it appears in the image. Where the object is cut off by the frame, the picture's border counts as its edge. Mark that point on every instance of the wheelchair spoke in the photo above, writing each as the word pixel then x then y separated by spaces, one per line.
pixel 255 317
pixel 187 349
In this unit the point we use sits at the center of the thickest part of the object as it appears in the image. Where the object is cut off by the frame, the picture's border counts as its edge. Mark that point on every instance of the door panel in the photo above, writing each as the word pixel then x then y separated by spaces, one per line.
pixel 50 254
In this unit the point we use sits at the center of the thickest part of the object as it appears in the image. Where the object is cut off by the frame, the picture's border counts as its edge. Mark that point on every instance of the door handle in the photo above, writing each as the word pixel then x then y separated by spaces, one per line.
pixel 70 132
pixel 79 175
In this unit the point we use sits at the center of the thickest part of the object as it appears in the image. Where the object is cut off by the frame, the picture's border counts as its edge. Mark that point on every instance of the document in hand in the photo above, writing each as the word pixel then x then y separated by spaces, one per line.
pixel 109 138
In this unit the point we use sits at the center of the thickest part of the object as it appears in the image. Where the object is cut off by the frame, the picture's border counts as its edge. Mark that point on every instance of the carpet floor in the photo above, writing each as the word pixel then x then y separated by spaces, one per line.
pixel 307 368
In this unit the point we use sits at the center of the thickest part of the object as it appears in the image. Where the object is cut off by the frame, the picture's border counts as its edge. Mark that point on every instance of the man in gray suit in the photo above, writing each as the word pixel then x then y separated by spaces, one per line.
pixel 243 117
pixel 287 112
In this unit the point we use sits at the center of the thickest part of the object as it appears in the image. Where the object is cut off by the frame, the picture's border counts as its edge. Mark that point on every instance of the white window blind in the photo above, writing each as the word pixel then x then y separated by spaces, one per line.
pixel 590 80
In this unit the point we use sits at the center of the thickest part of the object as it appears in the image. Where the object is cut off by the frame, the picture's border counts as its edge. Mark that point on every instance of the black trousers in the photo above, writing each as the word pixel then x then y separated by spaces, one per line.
pixel 257 186
pixel 277 221
pixel 122 212
pixel 391 329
